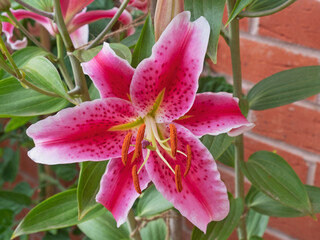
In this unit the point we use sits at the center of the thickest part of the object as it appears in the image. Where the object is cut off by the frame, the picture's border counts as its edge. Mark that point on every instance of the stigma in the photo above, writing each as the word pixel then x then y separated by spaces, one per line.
pixel 151 137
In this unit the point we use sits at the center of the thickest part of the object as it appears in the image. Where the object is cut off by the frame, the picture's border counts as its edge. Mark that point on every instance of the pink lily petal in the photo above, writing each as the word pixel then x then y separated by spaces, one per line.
pixel 8 28
pixel 215 113
pixel 92 16
pixel 110 74
pixel 117 192
pixel 175 65
pixel 139 4
pixel 80 36
pixel 70 8
pixel 81 133
pixel 204 196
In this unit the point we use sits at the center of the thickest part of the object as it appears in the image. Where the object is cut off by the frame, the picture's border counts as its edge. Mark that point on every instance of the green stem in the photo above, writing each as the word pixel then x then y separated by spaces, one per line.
pixel 61 63
pixel 133 225
pixel 80 80
pixel 115 18
pixel 5 51
pixel 266 12
pixel 5 66
pixel 234 43
pixel 26 33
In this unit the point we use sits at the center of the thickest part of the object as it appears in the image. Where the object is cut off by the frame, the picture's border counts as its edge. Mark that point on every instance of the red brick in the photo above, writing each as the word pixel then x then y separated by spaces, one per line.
pixel 260 60
pixel 296 162
pixel 317 176
pixel 292 124
pixel 302 228
pixel 299 23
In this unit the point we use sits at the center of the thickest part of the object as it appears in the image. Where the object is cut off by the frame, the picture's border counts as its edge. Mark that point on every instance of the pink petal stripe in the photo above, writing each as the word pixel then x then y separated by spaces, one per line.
pixel 71 7
pixel 80 36
pixel 8 28
pixel 117 192
pixel 92 16
pixel 204 196
pixel 110 74
pixel 81 133
pixel 215 113
pixel 139 4
pixel 175 65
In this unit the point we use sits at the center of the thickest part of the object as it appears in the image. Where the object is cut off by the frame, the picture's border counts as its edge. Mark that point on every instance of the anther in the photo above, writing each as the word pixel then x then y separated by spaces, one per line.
pixel 125 148
pixel 189 156
pixel 173 139
pixel 178 178
pixel 136 179
pixel 138 149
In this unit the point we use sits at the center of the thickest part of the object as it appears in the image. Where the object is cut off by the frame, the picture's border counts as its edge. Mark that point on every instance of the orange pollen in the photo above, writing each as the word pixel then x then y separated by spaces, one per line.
pixel 178 178
pixel 189 156
pixel 173 139
pixel 136 179
pixel 125 148
pixel 138 149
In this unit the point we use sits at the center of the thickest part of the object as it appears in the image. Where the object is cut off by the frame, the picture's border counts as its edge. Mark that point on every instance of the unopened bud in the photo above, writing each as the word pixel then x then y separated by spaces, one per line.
pixel 166 10
pixel 5 5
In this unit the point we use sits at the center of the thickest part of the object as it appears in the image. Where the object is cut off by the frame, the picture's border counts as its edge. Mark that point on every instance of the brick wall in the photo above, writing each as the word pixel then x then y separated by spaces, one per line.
pixel 288 39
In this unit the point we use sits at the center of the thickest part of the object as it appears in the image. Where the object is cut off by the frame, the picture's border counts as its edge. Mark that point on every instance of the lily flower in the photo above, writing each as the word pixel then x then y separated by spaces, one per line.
pixel 147 122
pixel 76 19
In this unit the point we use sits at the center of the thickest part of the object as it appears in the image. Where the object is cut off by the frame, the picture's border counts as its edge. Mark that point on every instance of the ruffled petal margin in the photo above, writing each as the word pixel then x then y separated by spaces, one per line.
pixel 215 113
pixel 110 74
pixel 117 192
pixel 204 196
pixel 81 133
pixel 174 67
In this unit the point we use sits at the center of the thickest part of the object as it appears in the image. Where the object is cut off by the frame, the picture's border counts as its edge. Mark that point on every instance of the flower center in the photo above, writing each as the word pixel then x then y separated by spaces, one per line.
pixel 150 137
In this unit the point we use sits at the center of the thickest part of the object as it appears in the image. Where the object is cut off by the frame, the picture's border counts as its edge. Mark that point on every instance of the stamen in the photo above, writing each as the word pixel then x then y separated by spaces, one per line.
pixel 164 160
pixel 138 149
pixel 189 156
pixel 173 139
pixel 136 179
pixel 178 151
pixel 178 178
pixel 125 148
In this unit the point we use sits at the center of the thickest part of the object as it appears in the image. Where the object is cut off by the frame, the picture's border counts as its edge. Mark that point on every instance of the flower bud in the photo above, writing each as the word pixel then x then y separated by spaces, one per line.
pixel 166 10
pixel 5 5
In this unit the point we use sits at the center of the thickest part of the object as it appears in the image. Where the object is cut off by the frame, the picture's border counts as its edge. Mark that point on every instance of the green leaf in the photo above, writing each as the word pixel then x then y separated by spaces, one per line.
pixel 24 188
pixel 6 219
pixel 259 8
pixel 256 224
pixel 212 10
pixel 223 229
pixel 266 205
pixel 155 230
pixel 271 174
pixel 22 57
pixel 285 87
pixel 152 203
pixel 104 227
pixel 120 49
pixel 66 172
pixel 238 7
pixel 255 238
pixel 18 101
pixel 45 5
pixel 11 168
pixel 41 72
pixel 88 186
pixel 93 92
pixel 214 84
pixel 16 122
pixel 217 145
pixel 227 157
pixel 145 43
pixel 13 201
pixel 132 40
pixel 58 211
